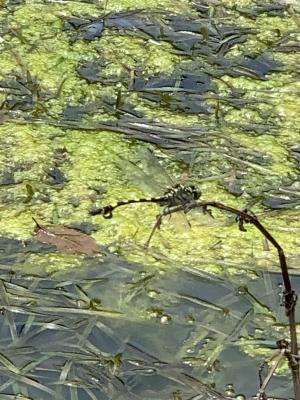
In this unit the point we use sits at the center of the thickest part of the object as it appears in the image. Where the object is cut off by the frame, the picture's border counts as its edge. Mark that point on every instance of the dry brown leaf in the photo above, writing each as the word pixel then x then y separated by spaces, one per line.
pixel 67 240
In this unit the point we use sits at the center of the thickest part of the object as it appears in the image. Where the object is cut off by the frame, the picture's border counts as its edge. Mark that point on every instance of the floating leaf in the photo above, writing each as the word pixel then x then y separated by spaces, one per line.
pixel 67 240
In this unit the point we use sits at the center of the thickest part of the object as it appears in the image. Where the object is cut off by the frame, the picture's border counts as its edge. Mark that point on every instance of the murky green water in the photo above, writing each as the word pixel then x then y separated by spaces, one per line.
pixel 106 101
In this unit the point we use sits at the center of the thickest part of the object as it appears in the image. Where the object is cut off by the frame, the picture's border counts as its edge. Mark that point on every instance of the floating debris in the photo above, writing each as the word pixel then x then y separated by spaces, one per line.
pixel 56 176
pixel 67 240
pixel 285 197
pixel 271 9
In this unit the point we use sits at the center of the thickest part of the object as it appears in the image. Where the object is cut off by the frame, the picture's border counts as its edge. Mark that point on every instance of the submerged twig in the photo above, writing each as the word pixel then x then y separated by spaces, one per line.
pixel 283 345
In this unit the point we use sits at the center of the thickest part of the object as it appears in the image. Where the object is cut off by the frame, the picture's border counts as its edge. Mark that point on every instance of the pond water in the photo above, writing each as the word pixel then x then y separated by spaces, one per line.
pixel 107 101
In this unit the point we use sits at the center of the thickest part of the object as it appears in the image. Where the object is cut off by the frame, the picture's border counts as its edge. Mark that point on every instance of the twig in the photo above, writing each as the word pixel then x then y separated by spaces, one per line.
pixel 289 296
pixel 283 345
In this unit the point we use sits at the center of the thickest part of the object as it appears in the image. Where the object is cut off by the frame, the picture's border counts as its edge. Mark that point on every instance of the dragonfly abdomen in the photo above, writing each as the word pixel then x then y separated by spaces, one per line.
pixel 175 196
pixel 106 211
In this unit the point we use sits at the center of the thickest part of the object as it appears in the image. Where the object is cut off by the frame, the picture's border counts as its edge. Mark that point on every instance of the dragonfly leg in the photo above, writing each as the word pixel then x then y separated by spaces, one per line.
pixel 208 211
pixel 155 226
pixel 189 224
pixel 167 211
pixel 187 208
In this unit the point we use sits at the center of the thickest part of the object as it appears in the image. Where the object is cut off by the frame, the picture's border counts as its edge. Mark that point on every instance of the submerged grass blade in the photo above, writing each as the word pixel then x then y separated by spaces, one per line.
pixel 8 364
pixel 8 316
pixel 204 303
pixel 90 394
pixel 54 311
pixel 74 393
pixel 13 397
pixel 27 381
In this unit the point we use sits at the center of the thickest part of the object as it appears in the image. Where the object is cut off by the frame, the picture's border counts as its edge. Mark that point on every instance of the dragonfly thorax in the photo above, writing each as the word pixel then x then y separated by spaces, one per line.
pixel 180 195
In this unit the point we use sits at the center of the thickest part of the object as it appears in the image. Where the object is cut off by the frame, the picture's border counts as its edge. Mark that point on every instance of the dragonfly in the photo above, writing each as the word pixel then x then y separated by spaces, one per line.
pixel 174 196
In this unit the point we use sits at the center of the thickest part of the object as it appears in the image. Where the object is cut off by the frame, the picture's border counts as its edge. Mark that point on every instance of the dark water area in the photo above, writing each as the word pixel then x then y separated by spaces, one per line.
pixel 81 332
pixel 114 329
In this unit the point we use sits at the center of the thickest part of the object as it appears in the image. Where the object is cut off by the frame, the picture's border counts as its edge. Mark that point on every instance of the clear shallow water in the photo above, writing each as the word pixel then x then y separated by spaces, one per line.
pixel 121 330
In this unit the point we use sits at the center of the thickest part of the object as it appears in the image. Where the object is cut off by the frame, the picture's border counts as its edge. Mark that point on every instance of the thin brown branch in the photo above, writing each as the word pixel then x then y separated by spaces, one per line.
pixel 290 297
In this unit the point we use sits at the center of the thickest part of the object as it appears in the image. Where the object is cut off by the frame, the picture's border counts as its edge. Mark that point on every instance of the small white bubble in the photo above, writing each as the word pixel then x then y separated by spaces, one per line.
pixel 165 319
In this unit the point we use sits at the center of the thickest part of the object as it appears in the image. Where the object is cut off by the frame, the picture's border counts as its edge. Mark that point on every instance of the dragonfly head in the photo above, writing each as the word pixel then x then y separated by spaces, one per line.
pixel 196 192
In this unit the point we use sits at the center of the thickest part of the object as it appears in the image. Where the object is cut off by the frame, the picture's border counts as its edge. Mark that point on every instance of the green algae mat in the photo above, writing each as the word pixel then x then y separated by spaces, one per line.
pixel 104 101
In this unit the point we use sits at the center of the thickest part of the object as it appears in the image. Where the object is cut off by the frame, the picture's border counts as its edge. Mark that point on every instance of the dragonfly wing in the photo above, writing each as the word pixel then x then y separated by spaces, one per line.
pixel 134 175
pixel 145 171
pixel 150 175
pixel 158 171
pixel 155 169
